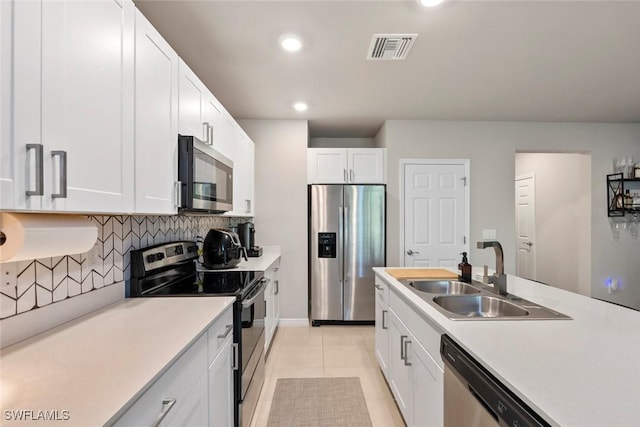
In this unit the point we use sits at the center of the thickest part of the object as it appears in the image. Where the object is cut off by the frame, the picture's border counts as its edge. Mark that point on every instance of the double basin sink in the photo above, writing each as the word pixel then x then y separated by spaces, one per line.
pixel 475 301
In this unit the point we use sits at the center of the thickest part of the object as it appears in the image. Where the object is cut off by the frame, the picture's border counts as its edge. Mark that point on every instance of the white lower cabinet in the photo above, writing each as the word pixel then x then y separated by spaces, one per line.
pixel 407 353
pixel 196 390
pixel 221 387
pixel 272 298
pixel 382 330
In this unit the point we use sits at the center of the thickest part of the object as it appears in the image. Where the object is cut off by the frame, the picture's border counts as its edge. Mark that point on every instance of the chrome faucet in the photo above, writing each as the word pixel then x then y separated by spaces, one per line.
pixel 499 279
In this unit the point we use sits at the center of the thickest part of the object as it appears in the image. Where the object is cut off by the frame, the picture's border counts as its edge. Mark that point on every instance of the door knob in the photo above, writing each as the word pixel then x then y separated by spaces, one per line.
pixel 410 252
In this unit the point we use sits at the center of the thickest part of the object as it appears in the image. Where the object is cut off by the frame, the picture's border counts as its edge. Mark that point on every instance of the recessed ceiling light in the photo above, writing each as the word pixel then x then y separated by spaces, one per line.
pixel 430 3
pixel 300 106
pixel 290 42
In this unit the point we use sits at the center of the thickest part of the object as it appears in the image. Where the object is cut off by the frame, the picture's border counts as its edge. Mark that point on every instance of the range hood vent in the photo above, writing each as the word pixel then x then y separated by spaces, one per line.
pixel 390 47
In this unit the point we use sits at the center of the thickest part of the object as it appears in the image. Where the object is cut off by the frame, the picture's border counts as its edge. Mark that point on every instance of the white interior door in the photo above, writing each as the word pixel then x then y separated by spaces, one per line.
pixel 435 213
pixel 525 227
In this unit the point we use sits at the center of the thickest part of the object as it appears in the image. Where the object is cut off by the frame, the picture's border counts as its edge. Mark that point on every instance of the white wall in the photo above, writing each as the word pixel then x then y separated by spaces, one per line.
pixel 562 240
pixel 491 146
pixel 281 203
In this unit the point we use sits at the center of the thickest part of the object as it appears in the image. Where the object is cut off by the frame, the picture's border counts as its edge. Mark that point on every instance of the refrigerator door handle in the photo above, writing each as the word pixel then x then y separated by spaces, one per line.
pixel 341 242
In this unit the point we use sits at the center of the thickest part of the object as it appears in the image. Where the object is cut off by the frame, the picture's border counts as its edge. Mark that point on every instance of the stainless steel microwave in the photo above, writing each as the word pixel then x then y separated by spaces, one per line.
pixel 206 177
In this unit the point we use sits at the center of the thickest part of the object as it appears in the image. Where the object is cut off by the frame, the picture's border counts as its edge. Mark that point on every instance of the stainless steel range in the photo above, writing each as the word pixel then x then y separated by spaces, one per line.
pixel 169 270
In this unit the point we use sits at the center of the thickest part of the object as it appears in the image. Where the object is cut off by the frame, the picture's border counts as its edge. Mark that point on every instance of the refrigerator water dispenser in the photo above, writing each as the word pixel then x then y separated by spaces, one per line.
pixel 326 245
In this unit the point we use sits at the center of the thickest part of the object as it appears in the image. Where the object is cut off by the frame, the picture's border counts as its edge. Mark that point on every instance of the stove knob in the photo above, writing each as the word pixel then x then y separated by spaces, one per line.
pixel 151 258
pixel 193 248
pixel 179 250
pixel 159 256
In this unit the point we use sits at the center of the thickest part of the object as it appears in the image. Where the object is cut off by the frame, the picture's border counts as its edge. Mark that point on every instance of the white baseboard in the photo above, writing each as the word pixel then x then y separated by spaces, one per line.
pixel 294 322
pixel 25 325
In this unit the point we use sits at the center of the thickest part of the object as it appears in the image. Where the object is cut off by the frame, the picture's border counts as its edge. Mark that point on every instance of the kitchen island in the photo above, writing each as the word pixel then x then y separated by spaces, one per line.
pixel 579 372
pixel 90 371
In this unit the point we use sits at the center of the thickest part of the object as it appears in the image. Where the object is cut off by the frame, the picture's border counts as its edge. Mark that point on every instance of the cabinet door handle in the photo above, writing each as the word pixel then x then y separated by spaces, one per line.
pixel 277 288
pixel 211 134
pixel 205 133
pixel 178 193
pixel 247 205
pixel 167 405
pixel 402 347
pixel 406 353
pixel 384 319
pixel 353 175
pixel 226 332
pixel 63 174
pixel 234 347
pixel 39 191
pixel 346 178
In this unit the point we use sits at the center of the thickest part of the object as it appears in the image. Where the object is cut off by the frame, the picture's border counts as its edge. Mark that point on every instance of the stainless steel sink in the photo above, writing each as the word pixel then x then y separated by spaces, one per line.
pixel 479 306
pixel 477 301
pixel 443 287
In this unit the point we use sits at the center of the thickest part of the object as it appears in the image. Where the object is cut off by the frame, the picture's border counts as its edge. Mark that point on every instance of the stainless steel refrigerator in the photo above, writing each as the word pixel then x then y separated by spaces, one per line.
pixel 346 239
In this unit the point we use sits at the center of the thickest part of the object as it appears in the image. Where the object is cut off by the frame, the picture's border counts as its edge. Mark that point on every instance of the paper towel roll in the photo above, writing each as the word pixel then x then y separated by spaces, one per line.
pixel 30 236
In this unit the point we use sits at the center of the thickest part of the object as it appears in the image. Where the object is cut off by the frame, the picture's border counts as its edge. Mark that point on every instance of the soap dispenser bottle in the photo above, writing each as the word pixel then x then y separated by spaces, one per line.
pixel 464 269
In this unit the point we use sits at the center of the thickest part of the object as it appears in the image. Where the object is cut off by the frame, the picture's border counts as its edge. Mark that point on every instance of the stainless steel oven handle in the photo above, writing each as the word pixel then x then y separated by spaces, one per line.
pixel 226 332
pixel 167 405
pixel 248 303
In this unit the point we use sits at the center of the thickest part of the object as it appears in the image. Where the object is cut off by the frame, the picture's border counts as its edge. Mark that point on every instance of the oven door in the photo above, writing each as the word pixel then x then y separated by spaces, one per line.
pixel 252 345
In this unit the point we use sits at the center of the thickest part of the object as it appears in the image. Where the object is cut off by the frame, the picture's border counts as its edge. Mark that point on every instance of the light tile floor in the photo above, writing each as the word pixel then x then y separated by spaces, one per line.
pixel 329 351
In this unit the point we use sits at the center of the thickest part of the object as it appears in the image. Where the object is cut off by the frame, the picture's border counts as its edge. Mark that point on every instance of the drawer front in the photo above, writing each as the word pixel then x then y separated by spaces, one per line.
pixel 424 329
pixel 219 333
pixel 382 289
pixel 175 383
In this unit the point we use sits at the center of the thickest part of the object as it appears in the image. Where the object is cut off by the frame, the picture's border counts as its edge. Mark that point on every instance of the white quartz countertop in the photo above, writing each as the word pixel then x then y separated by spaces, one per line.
pixel 97 365
pixel 581 372
pixel 270 254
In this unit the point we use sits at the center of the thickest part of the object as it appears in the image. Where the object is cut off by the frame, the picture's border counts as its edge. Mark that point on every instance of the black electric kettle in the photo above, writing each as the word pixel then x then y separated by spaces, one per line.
pixel 222 249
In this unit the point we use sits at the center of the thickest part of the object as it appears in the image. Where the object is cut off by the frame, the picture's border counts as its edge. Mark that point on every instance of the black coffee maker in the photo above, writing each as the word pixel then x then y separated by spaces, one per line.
pixel 247 231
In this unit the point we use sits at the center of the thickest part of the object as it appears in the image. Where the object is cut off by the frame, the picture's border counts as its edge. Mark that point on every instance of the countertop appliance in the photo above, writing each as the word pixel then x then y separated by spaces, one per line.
pixel 346 239
pixel 222 249
pixel 473 397
pixel 169 270
pixel 205 177
pixel 247 233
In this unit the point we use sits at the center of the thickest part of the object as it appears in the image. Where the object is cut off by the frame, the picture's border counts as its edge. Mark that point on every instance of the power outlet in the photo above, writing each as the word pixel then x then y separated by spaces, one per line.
pixel 612 285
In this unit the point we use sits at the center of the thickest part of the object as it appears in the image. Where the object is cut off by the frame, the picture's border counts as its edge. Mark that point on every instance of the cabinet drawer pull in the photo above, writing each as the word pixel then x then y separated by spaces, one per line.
pixel 378 287
pixel 353 175
pixel 63 174
pixel 346 178
pixel 277 292
pixel 39 191
pixel 406 353
pixel 226 332
pixel 403 348
pixel 384 319
pixel 167 405
pixel 234 359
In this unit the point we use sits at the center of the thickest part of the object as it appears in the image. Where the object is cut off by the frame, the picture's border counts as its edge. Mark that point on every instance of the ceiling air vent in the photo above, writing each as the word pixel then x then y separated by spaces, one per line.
pixel 390 46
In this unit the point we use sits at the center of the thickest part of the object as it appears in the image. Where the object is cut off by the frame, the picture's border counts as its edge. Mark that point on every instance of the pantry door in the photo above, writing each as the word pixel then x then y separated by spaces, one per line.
pixel 525 227
pixel 434 212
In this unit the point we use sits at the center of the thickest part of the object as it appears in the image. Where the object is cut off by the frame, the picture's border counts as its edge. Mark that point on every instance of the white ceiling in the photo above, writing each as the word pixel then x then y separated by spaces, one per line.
pixel 576 61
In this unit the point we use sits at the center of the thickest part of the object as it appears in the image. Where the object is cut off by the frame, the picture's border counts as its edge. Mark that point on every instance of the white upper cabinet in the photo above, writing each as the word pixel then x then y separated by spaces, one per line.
pixel 243 173
pixel 192 94
pixel 346 165
pixel 201 114
pixel 156 121
pixel 73 89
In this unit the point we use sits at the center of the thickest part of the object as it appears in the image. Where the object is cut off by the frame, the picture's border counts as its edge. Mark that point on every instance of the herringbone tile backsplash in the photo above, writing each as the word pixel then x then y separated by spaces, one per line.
pixel 27 285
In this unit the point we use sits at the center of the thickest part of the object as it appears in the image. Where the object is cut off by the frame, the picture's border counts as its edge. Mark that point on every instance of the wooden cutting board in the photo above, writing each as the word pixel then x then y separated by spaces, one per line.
pixel 421 273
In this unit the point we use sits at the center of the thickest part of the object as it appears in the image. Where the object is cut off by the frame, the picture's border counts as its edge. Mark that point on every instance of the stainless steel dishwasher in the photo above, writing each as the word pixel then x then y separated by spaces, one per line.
pixel 475 398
